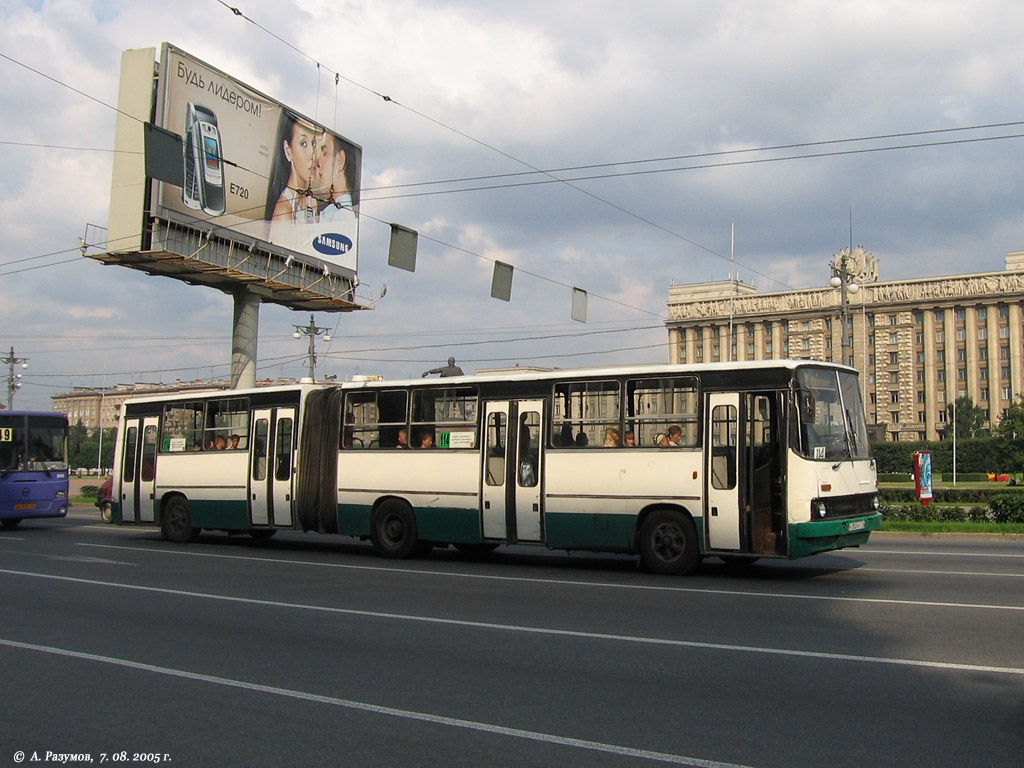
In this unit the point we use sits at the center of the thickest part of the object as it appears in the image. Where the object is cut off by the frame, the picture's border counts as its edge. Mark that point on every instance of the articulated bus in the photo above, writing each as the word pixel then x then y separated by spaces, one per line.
pixel 741 461
pixel 33 466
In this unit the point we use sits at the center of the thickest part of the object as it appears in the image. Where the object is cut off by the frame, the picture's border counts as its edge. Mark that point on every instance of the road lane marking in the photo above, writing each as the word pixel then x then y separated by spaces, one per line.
pixel 570 582
pixel 376 709
pixel 542 631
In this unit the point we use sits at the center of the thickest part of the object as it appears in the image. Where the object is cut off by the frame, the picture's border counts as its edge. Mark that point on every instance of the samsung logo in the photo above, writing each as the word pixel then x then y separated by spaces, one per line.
pixel 332 244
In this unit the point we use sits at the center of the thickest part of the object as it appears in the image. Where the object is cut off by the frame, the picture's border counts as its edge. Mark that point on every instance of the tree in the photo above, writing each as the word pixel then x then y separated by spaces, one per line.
pixel 1010 433
pixel 969 419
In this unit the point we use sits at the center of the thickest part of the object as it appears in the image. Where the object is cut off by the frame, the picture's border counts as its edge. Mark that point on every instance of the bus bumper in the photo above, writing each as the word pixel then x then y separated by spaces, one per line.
pixel 827 535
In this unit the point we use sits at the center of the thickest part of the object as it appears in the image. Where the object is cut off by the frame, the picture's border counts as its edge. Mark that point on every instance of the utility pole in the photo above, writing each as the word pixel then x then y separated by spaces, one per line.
pixel 312 331
pixel 13 379
pixel 842 278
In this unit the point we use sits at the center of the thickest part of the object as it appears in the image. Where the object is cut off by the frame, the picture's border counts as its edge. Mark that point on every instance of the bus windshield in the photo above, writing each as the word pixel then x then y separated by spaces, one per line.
pixel 829 416
pixel 32 442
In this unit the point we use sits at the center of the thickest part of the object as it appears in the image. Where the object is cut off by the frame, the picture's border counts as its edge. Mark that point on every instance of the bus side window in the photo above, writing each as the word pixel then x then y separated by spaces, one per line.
pixel 284 450
pixel 130 443
pixel 259 450
pixel 148 470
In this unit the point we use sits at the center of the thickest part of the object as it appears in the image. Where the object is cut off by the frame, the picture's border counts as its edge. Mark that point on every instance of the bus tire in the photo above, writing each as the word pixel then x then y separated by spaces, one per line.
pixel 10 523
pixel 176 521
pixel 106 515
pixel 393 530
pixel 668 543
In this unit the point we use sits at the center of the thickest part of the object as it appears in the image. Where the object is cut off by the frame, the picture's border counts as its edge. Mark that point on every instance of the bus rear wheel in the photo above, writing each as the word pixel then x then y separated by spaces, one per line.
pixel 10 523
pixel 393 530
pixel 176 521
pixel 668 543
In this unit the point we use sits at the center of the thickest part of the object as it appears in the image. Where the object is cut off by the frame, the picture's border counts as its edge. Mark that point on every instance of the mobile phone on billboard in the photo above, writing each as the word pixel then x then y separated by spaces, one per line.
pixel 204 167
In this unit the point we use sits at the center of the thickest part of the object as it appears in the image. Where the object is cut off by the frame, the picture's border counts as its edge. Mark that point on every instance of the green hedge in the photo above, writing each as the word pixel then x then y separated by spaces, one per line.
pixel 986 496
pixel 980 454
pixel 935 513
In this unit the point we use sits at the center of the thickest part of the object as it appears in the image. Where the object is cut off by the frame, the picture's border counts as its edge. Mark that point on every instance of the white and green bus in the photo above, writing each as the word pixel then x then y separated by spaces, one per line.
pixel 674 463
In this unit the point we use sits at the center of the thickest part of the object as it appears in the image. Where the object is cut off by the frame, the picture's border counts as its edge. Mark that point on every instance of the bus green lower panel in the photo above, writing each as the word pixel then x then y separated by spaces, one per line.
pixel 826 535
pixel 606 532
pixel 222 515
pixel 442 524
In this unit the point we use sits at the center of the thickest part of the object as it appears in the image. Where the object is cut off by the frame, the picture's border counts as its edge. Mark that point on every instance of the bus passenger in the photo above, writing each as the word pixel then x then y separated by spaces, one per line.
pixel 426 440
pixel 629 440
pixel 233 445
pixel 403 439
pixel 672 438
pixel 611 437
pixel 220 443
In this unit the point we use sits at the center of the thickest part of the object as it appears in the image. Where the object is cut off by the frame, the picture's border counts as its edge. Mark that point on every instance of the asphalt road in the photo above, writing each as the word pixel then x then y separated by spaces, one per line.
pixel 311 651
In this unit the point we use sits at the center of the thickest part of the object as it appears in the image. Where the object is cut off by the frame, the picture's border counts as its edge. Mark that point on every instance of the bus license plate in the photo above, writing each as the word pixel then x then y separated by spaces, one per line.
pixel 24 506
pixel 857 525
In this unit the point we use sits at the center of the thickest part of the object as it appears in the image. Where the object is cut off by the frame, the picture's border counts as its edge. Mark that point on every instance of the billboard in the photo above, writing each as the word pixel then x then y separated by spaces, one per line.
pixel 251 165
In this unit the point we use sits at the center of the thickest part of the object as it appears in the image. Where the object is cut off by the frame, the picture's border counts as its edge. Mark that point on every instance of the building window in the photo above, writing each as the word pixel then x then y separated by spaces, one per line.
pixel 940 356
pixel 940 337
pixel 894 358
pixel 940 375
pixel 894 398
pixel 961 355
pixel 871 321
pixel 920 396
pixel 920 337
pixel 982 333
pixel 894 417
pixel 961 335
pixel 983 353
pixel 807 345
pixel 942 416
pixel 892 319
pixel 894 377
pixel 1005 373
pixel 961 374
pixel 984 394
pixel 982 313
pixel 893 338
pixel 960 314
pixel 920 376
pixel 983 374
pixel 919 318
pixel 1004 353
pixel 1006 393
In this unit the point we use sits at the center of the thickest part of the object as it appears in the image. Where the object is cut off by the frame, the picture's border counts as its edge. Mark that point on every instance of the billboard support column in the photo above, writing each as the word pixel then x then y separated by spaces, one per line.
pixel 244 337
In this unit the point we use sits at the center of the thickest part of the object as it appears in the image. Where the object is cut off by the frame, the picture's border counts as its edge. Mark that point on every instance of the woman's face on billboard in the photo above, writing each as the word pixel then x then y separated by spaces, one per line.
pixel 301 153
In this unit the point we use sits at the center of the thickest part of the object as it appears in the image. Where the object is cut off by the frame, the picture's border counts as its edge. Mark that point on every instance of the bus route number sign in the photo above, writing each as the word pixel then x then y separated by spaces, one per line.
pixel 6 435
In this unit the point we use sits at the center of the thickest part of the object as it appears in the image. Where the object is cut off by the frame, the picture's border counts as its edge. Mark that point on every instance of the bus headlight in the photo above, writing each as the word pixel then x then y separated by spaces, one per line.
pixel 61 495
pixel 820 508
pixel 876 503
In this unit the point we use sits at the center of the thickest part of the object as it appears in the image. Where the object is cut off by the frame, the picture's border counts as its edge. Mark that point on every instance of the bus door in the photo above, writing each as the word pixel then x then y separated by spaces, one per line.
pixel 722 455
pixel 271 466
pixel 138 470
pixel 513 467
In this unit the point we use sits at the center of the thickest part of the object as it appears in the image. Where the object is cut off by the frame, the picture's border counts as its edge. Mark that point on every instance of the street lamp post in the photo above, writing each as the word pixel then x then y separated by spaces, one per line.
pixel 312 331
pixel 842 278
pixel 13 379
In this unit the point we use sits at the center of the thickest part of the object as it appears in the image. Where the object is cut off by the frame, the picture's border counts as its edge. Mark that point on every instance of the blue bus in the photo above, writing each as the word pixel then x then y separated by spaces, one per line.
pixel 33 466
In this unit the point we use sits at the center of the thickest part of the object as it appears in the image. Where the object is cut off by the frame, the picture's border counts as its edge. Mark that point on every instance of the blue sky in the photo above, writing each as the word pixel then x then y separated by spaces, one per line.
pixel 481 88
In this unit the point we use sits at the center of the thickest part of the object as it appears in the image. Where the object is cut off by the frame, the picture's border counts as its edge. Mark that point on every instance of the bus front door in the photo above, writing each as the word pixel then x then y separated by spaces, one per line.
pixel 271 466
pixel 513 469
pixel 138 471
pixel 722 456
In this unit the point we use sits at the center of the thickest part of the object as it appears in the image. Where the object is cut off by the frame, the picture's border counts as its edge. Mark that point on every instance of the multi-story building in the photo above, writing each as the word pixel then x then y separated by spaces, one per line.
pixel 919 344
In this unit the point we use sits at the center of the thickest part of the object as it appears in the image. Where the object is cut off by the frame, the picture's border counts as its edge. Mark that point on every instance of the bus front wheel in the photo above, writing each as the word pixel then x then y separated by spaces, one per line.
pixel 668 543
pixel 393 530
pixel 176 521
